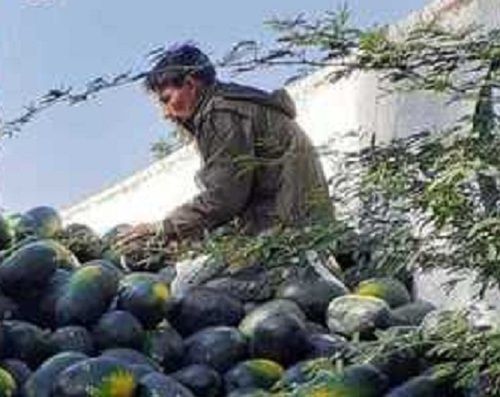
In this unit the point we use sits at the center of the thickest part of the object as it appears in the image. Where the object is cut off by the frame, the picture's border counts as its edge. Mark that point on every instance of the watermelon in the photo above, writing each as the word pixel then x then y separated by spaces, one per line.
pixel 203 307
pixel 46 221
pixel 117 328
pixel 40 383
pixel 281 338
pixel 118 273
pixel 200 379
pixel 398 364
pixel 145 296
pixel 65 259
pixel 86 296
pixel 45 304
pixel 351 314
pixel 100 376
pixel 72 338
pixel 28 268
pixel 139 370
pixel 26 342
pixel 266 310
pixel 412 313
pixel 156 384
pixel 164 345
pixel 419 386
pixel 255 373
pixel 355 381
pixel 219 347
pixel 312 295
pixel 9 309
pixel 388 289
pixel 130 357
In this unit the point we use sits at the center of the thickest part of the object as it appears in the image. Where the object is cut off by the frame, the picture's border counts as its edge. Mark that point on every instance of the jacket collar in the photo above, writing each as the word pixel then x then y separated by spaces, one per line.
pixel 205 95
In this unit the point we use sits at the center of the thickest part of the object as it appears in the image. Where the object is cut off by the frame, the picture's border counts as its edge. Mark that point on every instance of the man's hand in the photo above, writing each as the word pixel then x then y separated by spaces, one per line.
pixel 137 235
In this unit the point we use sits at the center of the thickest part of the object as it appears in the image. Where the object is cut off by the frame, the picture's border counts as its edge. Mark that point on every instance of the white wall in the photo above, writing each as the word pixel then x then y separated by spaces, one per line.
pixel 327 112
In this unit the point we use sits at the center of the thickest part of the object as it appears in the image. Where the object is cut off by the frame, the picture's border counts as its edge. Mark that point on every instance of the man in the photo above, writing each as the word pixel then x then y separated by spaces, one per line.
pixel 259 167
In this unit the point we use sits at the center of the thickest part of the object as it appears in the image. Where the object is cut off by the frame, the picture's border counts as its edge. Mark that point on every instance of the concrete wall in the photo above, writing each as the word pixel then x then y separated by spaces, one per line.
pixel 328 112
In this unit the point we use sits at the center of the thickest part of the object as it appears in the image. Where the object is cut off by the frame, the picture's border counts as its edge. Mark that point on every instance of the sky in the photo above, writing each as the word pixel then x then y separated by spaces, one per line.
pixel 68 153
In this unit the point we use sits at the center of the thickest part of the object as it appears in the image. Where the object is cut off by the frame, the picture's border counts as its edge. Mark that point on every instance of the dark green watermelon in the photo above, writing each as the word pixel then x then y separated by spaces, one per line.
pixel 107 265
pixel 86 296
pixel 26 342
pixel 165 346
pixel 140 370
pixel 130 357
pixel 100 376
pixel 420 386
pixel 156 384
pixel 412 313
pixel 45 304
pixel 255 373
pixel 219 347
pixel 278 306
pixel 281 338
pixel 65 258
pixel 28 268
pixel 46 221
pixel 202 380
pixel 204 307
pixel 312 295
pixel 117 328
pixel 41 382
pixel 398 364
pixel 72 338
pixel 145 296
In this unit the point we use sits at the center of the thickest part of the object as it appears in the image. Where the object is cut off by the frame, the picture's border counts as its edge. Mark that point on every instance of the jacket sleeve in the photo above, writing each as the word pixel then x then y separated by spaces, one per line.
pixel 225 145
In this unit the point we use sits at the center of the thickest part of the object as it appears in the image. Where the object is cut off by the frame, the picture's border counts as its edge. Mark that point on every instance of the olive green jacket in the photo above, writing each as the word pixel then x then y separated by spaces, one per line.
pixel 258 164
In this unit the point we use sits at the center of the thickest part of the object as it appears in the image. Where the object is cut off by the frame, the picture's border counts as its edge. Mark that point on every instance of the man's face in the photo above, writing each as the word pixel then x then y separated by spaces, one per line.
pixel 178 103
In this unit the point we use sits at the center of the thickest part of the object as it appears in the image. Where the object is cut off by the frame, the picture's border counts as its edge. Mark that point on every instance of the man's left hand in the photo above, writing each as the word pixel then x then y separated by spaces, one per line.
pixel 136 235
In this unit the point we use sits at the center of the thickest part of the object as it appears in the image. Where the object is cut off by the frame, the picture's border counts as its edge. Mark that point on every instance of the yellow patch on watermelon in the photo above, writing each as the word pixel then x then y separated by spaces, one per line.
pixel 118 384
pixel 160 291
pixel 268 368
pixel 7 383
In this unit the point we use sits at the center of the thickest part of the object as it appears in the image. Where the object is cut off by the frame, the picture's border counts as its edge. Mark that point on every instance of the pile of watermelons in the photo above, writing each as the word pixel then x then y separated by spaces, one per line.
pixel 75 324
